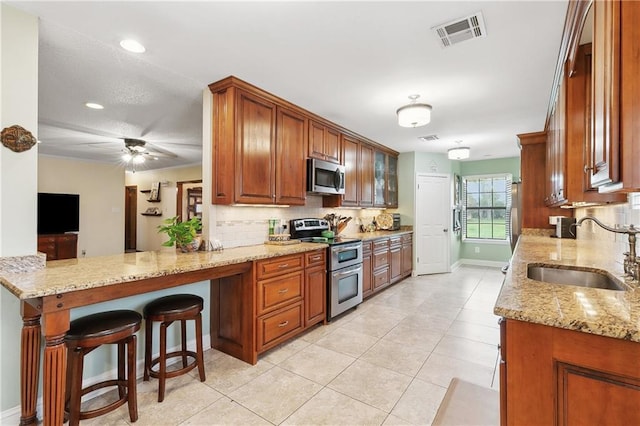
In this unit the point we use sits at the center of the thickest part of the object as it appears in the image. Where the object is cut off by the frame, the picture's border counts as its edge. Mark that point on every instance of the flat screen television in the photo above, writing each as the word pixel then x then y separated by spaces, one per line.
pixel 58 213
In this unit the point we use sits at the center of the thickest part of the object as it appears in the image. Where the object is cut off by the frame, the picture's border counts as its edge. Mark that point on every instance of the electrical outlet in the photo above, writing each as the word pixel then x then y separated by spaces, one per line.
pixel 84 252
pixel 477 249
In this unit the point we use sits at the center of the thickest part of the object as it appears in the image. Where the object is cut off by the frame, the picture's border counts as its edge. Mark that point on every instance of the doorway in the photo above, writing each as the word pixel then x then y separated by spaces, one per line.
pixel 433 223
pixel 130 218
pixel 189 199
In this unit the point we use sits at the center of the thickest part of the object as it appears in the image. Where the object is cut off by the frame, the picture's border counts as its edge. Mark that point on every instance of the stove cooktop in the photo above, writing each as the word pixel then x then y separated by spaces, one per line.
pixel 331 241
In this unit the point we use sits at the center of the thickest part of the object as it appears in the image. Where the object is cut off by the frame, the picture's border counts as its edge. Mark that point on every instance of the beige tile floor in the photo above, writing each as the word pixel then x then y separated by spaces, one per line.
pixel 388 362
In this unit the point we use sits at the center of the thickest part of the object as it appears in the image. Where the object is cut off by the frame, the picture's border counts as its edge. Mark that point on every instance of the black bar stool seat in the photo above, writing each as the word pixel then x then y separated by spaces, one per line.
pixel 166 310
pixel 88 333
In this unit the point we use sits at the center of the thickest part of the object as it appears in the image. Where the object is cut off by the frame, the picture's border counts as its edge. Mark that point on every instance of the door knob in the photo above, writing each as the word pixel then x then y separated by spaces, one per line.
pixel 445 230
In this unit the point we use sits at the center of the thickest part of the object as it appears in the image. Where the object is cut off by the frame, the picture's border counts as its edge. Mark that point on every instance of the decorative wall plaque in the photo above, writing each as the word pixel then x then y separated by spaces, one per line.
pixel 17 138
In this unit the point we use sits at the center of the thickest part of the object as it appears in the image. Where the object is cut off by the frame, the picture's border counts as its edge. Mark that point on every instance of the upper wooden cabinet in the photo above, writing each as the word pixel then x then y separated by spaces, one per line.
pixel 259 147
pixel 324 142
pixel 358 160
pixel 582 141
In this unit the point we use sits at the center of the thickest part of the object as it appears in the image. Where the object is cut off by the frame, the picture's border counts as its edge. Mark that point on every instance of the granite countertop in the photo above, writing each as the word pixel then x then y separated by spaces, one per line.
pixel 61 276
pixel 604 312
pixel 364 236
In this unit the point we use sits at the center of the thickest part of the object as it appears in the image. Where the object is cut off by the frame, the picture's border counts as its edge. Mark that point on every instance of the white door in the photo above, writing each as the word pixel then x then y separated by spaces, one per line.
pixel 433 217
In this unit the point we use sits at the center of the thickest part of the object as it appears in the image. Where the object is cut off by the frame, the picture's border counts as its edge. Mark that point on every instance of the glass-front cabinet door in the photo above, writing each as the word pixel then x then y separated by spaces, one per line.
pixel 379 199
pixel 392 181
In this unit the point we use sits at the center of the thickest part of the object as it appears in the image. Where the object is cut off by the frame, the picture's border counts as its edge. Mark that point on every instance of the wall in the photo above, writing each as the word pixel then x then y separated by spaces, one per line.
pixel 18 178
pixel 489 251
pixel 101 190
pixel 147 232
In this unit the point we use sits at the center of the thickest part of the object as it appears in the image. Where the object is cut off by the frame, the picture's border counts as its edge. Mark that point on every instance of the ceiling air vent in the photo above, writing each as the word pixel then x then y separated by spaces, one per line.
pixel 460 30
pixel 429 138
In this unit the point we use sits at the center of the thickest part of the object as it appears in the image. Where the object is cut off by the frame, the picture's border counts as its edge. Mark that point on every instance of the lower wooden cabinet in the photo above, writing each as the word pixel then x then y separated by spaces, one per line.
pixel 280 325
pixel 386 260
pixel 58 246
pixel 315 288
pixel 556 376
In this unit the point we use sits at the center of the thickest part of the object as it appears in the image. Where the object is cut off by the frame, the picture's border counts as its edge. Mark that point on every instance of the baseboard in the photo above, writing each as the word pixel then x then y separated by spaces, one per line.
pixel 456 265
pixel 12 415
pixel 478 262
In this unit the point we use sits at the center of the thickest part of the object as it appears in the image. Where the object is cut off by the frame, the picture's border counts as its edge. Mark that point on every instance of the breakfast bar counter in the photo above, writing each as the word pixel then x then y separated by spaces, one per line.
pixel 48 294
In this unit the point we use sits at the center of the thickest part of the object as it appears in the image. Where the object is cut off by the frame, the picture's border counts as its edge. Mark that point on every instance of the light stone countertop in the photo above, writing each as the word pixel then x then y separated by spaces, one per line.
pixel 365 236
pixel 62 276
pixel 604 312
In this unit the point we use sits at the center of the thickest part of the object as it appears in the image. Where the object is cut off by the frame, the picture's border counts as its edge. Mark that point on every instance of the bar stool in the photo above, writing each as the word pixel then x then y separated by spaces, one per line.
pixel 166 310
pixel 88 333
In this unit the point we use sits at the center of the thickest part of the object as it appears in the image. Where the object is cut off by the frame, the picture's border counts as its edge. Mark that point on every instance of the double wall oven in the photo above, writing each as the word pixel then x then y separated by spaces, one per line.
pixel 344 269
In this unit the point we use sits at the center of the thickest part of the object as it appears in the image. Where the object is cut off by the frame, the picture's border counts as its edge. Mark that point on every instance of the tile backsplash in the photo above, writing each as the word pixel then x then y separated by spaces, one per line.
pixel 611 215
pixel 236 226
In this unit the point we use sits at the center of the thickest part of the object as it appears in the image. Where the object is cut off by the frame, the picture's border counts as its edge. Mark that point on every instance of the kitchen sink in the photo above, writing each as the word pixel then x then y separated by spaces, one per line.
pixel 571 276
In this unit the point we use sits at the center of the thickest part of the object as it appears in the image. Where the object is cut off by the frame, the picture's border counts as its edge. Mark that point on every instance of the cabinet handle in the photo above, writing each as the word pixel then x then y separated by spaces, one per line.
pixel 587 169
pixel 284 265
pixel 316 258
pixel 283 291
pixel 283 324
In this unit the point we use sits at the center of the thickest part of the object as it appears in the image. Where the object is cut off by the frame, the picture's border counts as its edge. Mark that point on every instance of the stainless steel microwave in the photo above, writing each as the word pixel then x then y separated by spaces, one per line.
pixel 324 177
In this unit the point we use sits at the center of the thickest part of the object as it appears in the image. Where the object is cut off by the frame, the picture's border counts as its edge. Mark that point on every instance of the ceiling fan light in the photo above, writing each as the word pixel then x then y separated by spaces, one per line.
pixel 459 153
pixel 126 157
pixel 138 159
pixel 414 114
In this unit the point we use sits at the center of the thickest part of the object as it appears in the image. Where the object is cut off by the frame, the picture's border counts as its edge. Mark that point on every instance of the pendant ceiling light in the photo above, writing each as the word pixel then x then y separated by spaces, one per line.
pixel 459 152
pixel 414 114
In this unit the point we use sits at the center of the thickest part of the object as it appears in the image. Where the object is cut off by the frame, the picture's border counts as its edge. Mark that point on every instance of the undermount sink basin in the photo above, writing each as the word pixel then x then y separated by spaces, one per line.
pixel 577 277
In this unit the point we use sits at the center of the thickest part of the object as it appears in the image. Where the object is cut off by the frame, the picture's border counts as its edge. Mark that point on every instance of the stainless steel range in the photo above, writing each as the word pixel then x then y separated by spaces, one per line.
pixel 344 270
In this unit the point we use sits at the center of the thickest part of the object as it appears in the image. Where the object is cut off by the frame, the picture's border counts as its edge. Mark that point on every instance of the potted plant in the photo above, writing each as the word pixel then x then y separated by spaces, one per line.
pixel 183 234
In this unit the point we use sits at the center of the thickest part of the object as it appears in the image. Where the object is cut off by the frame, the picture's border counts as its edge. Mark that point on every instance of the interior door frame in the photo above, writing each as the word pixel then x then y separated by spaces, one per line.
pixel 447 206
pixel 179 192
pixel 131 217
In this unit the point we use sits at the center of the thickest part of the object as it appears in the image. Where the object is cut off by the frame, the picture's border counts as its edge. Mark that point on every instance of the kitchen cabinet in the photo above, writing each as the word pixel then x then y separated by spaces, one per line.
pixel 58 246
pixel 556 149
pixel 315 290
pixel 395 259
pixel 367 269
pixel 380 261
pixel 324 142
pixel 359 163
pixel 259 147
pixel 533 151
pixel 385 180
pixel 576 377
pixel 407 255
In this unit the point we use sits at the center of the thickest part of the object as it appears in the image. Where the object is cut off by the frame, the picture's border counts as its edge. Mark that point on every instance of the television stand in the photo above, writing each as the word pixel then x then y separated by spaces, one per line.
pixel 58 246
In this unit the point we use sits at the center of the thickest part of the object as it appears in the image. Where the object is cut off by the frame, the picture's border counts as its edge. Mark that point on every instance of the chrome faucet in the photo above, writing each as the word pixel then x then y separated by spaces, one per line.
pixel 631 261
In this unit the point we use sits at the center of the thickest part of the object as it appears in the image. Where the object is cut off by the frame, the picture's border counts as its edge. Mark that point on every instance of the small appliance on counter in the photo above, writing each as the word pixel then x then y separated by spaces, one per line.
pixel 565 226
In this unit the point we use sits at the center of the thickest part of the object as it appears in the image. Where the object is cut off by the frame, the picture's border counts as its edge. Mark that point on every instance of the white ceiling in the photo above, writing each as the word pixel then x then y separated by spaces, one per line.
pixel 353 63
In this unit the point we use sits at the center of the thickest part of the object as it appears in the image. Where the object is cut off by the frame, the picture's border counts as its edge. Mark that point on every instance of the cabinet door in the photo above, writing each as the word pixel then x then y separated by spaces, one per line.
pixel 291 149
pixel 255 162
pixel 395 256
pixel 350 156
pixel 365 177
pixel 367 274
pixel 407 255
pixel 332 145
pixel 605 93
pixel 316 140
pixel 392 181
pixel 315 295
pixel 67 246
pixel 380 176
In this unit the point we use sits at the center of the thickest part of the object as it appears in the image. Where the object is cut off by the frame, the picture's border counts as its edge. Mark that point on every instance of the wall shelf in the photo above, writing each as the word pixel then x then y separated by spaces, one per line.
pixel 151 214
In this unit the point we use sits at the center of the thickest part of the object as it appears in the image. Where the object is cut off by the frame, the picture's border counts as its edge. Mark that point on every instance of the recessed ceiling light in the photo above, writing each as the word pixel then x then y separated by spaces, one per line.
pixel 93 105
pixel 132 46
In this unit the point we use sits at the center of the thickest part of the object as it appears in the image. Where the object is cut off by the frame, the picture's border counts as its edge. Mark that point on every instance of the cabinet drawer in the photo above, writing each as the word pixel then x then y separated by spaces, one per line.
pixel 67 238
pixel 407 239
pixel 380 278
pixel 366 246
pixel 279 265
pixel 46 239
pixel 315 258
pixel 381 244
pixel 277 292
pixel 278 326
pixel 381 259
pixel 395 241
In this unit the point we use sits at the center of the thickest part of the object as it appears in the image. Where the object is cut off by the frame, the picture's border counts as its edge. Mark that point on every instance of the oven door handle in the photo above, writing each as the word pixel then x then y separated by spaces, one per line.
pixel 344 248
pixel 350 271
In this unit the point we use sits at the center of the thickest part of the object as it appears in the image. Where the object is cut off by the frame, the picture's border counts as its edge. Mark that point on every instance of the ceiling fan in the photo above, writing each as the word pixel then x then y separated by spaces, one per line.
pixel 135 152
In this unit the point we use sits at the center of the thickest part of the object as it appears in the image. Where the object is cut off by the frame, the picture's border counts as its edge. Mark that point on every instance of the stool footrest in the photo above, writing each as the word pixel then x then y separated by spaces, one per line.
pixel 174 373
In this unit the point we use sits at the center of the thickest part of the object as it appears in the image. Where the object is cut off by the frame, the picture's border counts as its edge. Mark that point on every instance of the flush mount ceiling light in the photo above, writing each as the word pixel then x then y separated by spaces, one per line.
pixel 93 105
pixel 132 46
pixel 414 114
pixel 459 152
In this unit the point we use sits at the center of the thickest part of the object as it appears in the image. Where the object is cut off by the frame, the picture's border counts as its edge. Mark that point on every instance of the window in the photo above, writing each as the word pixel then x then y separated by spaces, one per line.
pixel 487 205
